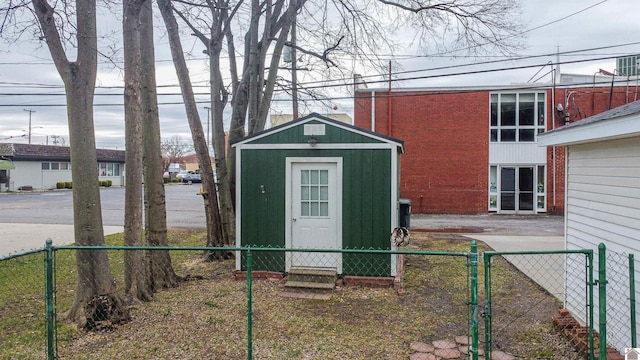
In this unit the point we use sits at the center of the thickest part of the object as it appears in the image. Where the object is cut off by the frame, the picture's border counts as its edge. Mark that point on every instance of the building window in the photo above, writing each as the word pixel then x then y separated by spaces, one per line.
pixel 55 166
pixel 109 169
pixel 517 117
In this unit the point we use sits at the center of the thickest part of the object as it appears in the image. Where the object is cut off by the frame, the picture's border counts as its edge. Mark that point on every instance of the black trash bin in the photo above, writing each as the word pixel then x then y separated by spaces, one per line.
pixel 405 213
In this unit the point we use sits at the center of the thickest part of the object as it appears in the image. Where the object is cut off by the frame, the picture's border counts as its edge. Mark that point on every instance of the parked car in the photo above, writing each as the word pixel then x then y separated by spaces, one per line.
pixel 182 173
pixel 192 178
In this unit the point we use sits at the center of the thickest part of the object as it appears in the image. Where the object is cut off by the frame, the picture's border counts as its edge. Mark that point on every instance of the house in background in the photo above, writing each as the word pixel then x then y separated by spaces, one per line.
pixel 603 205
pixel 42 166
pixel 474 149
pixel 317 183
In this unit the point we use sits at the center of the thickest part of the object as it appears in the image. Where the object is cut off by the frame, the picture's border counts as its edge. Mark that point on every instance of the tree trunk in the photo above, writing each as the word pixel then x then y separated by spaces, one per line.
pixel 219 98
pixel 212 213
pixel 161 273
pixel 137 286
pixel 96 298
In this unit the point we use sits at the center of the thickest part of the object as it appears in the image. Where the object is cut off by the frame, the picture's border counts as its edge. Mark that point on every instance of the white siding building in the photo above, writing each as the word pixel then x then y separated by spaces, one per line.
pixel 40 167
pixel 603 203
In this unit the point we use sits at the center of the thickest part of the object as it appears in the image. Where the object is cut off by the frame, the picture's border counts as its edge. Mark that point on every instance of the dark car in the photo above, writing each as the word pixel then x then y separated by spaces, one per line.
pixel 192 178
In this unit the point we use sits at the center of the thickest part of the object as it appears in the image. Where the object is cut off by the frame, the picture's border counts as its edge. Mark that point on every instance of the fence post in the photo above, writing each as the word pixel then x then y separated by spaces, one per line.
pixel 602 299
pixel 632 300
pixel 249 308
pixel 473 259
pixel 590 282
pixel 51 328
pixel 486 312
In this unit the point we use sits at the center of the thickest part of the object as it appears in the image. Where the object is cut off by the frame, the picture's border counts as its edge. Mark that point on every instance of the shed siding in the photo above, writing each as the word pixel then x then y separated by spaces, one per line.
pixel 603 206
pixel 366 203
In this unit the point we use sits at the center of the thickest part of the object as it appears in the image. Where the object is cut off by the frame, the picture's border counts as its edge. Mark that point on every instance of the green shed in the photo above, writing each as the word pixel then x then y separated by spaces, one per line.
pixel 317 183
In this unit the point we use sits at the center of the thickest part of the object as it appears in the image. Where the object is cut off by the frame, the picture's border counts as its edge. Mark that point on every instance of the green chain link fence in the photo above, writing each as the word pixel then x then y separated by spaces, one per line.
pixel 23 330
pixel 221 310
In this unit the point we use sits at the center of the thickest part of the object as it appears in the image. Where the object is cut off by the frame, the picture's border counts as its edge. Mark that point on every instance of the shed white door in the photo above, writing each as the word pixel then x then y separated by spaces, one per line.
pixel 314 213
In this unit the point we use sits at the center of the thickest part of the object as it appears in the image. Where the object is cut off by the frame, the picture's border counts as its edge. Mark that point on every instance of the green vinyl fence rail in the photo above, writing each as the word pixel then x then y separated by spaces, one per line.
pixel 44 287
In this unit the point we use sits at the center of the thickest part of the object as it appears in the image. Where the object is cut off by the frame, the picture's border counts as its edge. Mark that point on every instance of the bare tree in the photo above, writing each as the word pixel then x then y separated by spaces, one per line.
pixel 329 29
pixel 172 151
pixel 96 297
pixel 137 286
pixel 162 274
pixel 212 212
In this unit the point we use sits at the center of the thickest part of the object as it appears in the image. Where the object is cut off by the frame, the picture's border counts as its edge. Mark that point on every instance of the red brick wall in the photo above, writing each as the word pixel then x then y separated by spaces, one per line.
pixel 445 167
pixel 446 135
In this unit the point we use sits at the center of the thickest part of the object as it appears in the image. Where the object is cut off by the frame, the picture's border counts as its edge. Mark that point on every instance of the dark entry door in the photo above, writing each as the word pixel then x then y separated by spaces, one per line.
pixel 516 189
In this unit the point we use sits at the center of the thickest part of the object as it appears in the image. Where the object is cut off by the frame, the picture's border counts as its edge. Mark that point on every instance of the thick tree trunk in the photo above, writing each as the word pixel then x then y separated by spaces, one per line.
pixel 161 274
pixel 137 286
pixel 96 298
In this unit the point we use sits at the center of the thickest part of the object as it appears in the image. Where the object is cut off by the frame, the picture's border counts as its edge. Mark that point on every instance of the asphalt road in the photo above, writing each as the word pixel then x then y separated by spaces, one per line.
pixel 185 209
pixel 27 220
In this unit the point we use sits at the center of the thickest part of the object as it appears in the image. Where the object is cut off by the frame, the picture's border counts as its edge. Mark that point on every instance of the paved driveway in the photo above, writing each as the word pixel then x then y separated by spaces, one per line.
pixel 512 233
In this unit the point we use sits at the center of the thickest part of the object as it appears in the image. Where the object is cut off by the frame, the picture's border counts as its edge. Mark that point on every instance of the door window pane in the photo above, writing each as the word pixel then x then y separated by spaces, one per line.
pixel 45 166
pixel 314 193
pixel 55 166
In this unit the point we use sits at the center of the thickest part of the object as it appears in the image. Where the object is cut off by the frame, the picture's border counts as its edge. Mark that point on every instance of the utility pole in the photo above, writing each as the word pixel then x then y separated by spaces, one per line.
pixel 208 132
pixel 30 112
pixel 294 75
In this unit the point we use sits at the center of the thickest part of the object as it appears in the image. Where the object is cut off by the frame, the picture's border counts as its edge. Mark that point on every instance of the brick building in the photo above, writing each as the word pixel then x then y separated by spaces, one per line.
pixel 474 149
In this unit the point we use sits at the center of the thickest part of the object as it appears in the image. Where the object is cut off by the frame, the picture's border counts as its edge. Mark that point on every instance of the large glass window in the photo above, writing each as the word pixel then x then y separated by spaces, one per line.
pixel 520 117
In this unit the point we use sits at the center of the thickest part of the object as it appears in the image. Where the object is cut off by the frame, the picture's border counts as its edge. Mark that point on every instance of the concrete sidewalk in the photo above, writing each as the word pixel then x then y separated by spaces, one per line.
pixel 547 270
pixel 18 238
pixel 507 233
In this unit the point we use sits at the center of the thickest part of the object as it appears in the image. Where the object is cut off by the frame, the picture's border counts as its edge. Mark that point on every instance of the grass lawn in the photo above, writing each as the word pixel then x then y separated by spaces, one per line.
pixel 206 317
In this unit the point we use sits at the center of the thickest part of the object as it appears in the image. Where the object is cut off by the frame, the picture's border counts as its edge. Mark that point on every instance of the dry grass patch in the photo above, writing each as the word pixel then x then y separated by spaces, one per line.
pixel 206 317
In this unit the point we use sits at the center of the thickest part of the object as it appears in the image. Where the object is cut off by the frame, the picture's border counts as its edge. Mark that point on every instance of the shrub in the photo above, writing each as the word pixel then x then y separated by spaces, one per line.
pixel 60 185
pixel 68 185
pixel 108 183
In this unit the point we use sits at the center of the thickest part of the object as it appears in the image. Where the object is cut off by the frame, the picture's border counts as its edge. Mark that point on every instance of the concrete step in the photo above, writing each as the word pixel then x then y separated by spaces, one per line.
pixel 312 275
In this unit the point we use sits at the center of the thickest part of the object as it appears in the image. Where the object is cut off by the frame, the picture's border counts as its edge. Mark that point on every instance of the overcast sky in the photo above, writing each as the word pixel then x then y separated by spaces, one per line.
pixel 581 30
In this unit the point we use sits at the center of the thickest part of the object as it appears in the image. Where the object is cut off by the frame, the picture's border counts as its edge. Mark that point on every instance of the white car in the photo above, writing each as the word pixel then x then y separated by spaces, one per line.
pixel 183 173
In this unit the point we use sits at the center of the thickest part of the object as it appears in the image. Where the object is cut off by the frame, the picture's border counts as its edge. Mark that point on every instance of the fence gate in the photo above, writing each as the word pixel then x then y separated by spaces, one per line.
pixel 543 282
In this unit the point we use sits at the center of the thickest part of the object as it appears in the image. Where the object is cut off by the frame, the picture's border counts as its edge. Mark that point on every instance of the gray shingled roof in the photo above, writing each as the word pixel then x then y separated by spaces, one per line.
pixel 51 152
